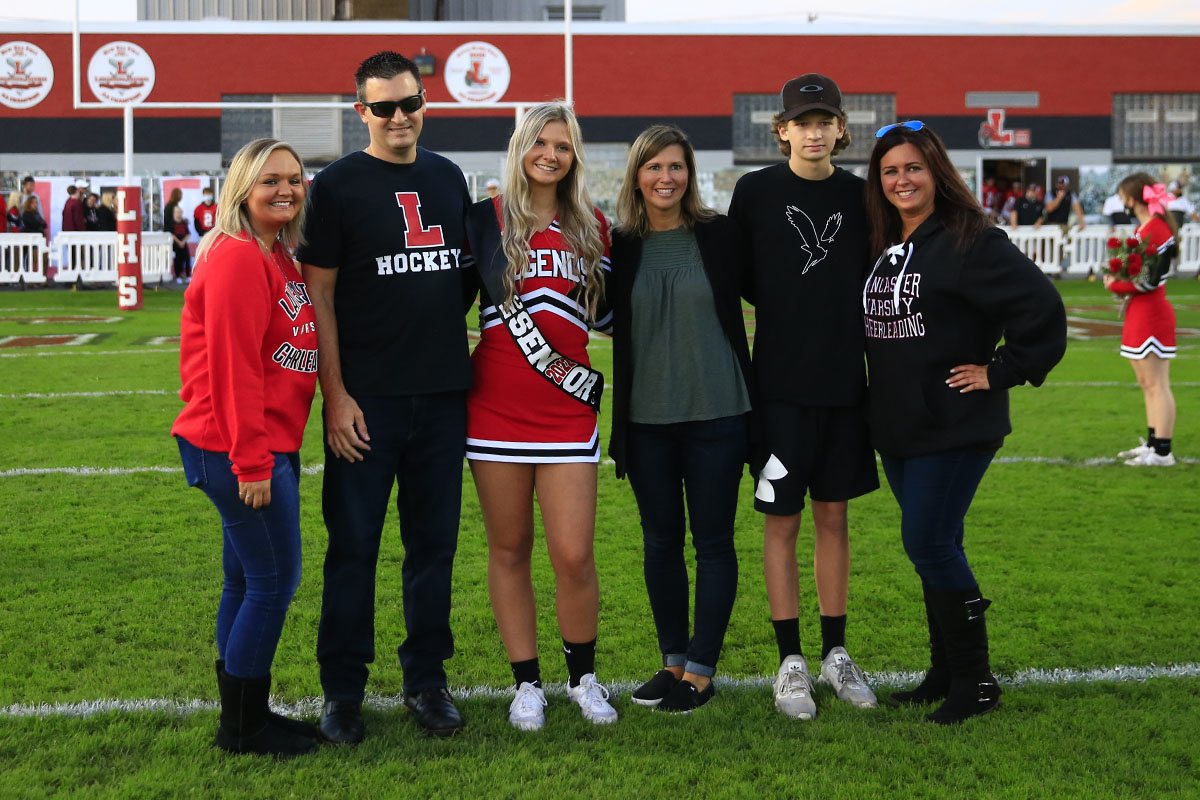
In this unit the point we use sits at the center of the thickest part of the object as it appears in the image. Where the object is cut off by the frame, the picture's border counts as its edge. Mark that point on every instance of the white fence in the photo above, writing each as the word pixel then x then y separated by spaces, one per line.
pixel 23 258
pixel 1082 252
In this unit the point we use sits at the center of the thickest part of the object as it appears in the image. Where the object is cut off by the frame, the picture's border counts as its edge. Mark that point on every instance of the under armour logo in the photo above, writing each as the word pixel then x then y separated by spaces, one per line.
pixel 772 471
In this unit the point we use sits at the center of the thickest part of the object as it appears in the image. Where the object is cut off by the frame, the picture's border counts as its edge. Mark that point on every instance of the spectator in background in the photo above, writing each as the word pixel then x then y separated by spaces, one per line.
pixel 72 213
pixel 182 264
pixel 28 184
pixel 1114 209
pixel 205 215
pixel 493 188
pixel 32 220
pixel 106 215
pixel 3 214
pixel 1180 207
pixel 1028 210
pixel 990 198
pixel 1060 206
pixel 169 209
pixel 13 214
pixel 91 218
pixel 1011 198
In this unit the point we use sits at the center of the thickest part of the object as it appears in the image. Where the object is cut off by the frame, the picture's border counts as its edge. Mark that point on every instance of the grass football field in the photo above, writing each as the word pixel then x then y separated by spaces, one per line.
pixel 110 574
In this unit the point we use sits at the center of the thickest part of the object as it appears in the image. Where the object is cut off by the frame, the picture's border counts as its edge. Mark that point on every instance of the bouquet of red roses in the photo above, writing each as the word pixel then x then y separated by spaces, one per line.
pixel 1128 258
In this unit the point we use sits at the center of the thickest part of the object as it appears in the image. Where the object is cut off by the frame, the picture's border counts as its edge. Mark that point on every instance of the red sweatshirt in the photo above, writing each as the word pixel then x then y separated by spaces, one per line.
pixel 247 356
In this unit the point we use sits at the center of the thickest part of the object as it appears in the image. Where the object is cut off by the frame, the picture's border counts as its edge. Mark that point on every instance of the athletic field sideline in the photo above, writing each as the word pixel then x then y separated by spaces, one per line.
pixel 111 572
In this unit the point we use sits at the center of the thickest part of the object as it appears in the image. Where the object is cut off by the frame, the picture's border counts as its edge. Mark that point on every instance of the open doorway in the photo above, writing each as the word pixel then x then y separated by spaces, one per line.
pixel 1003 181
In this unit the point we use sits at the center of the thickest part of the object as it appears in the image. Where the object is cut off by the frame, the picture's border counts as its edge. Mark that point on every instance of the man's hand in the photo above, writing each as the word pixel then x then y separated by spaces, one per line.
pixel 346 428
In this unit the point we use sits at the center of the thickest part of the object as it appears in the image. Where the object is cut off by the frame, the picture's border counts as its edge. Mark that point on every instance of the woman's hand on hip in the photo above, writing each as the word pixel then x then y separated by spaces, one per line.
pixel 256 494
pixel 969 378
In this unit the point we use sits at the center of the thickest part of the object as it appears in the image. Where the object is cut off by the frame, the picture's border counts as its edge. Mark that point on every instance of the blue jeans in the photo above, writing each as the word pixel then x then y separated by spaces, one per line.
pixel 260 556
pixel 417 444
pixel 934 493
pixel 703 460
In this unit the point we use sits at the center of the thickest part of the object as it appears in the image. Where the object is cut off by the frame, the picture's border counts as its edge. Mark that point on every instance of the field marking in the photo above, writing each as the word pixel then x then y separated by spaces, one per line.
pixel 310 706
pixel 1130 384
pixel 91 353
pixel 316 469
pixel 115 393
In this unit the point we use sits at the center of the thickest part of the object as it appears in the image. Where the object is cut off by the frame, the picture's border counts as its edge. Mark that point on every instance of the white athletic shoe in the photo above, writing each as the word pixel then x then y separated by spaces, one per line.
pixel 525 713
pixel 793 689
pixel 592 698
pixel 1152 459
pixel 1134 452
pixel 840 672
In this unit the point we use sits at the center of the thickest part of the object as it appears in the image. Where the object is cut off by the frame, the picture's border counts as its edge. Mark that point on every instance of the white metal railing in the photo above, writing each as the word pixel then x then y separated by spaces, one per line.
pixel 1188 260
pixel 156 257
pixel 90 256
pixel 23 257
pixel 1044 246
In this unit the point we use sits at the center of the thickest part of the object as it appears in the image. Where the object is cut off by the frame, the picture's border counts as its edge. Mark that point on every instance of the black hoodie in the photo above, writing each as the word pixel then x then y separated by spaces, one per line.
pixel 929 306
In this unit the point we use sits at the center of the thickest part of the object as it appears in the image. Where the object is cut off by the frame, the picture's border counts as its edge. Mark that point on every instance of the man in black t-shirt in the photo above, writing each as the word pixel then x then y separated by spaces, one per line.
pixel 385 269
pixel 1060 204
pixel 804 231
pixel 1028 210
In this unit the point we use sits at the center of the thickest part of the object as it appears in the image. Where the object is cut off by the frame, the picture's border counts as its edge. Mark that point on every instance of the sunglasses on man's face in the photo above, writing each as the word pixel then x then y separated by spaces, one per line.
pixel 912 125
pixel 387 108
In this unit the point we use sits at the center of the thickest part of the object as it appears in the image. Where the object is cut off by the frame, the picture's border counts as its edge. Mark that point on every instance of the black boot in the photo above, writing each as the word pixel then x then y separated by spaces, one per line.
pixel 936 683
pixel 973 688
pixel 246 725
pixel 294 725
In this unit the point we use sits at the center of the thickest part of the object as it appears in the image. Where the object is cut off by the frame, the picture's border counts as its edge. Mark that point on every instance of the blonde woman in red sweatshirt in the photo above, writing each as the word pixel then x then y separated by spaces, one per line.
pixel 248 360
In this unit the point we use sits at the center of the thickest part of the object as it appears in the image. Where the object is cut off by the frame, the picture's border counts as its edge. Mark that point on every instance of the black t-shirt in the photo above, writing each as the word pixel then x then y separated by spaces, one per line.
pixel 807 255
pixel 395 234
pixel 1028 211
pixel 1062 212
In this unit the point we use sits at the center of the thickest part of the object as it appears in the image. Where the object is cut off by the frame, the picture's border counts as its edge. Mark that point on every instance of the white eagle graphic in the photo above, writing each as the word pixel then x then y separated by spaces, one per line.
pixel 813 244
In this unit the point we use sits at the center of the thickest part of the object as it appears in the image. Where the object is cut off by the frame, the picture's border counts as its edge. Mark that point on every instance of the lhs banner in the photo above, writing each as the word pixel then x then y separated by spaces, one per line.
pixel 129 247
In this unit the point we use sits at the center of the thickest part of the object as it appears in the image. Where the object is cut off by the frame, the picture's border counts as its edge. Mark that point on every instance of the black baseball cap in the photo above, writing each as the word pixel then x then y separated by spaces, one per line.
pixel 808 92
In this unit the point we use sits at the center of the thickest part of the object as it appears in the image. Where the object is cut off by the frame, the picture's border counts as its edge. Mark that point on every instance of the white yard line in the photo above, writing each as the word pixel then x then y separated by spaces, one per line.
pixel 310 706
pixel 117 393
pixel 315 469
pixel 142 351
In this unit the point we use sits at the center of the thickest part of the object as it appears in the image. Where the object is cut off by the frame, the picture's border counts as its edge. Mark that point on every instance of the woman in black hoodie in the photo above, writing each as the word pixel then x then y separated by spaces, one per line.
pixel 947 287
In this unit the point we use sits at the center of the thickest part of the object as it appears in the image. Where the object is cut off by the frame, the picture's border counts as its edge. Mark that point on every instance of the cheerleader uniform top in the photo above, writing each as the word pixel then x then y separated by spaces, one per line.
pixel 513 413
pixel 1149 319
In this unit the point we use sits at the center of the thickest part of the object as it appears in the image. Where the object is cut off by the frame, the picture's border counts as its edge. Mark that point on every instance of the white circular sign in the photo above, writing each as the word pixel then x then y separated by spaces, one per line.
pixel 477 72
pixel 121 72
pixel 26 74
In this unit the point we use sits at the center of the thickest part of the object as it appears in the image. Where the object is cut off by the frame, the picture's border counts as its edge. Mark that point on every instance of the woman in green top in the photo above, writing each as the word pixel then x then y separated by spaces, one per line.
pixel 681 403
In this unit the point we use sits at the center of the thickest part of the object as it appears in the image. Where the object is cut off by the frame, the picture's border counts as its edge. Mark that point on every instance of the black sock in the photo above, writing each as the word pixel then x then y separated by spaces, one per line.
pixel 1149 435
pixel 1162 447
pixel 526 672
pixel 581 659
pixel 833 633
pixel 787 637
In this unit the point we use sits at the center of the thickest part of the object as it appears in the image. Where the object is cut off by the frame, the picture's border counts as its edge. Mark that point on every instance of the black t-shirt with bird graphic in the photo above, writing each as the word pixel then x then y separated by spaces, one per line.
pixel 806 256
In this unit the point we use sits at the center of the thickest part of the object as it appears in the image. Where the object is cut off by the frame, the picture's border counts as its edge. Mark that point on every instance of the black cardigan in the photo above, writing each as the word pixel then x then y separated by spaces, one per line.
pixel 717 240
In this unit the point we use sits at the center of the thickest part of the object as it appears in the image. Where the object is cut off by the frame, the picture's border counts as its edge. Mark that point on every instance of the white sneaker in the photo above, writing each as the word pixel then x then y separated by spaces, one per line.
pixel 1134 452
pixel 592 698
pixel 525 713
pixel 793 689
pixel 840 672
pixel 1152 459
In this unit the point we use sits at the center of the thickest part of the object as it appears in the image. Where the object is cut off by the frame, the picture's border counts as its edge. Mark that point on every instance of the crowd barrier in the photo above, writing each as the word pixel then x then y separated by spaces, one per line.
pixel 91 257
pixel 1079 253
pixel 23 257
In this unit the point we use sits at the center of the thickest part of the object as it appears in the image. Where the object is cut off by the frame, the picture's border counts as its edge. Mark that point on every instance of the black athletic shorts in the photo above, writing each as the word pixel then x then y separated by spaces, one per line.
pixel 824 451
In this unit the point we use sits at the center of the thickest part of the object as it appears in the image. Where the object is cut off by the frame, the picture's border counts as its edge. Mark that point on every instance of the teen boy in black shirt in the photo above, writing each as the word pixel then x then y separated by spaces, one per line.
pixel 804 228
pixel 386 273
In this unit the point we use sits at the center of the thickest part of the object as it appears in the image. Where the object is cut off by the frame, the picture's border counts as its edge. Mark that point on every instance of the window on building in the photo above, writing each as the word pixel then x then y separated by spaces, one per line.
pixel 753 142
pixel 1156 127
pixel 557 13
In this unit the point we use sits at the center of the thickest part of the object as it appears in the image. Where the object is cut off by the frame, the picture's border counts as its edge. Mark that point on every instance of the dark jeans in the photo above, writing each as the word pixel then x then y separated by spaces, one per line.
pixel 261 556
pixel 703 460
pixel 934 493
pixel 417 443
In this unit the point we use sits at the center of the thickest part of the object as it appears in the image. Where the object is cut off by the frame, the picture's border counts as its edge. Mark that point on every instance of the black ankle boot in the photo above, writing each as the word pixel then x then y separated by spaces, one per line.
pixel 246 725
pixel 936 683
pixel 294 725
pixel 973 688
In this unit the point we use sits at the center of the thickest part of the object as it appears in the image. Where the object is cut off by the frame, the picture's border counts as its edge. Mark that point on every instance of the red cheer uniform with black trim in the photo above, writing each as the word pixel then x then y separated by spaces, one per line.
pixel 1149 318
pixel 514 413
pixel 247 356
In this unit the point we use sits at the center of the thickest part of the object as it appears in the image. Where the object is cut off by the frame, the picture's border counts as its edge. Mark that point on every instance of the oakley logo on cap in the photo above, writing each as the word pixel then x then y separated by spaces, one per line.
pixel 812 87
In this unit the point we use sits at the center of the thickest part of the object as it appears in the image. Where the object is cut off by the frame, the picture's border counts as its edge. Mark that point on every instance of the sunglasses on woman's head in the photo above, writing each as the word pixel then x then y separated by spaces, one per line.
pixel 387 108
pixel 912 125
